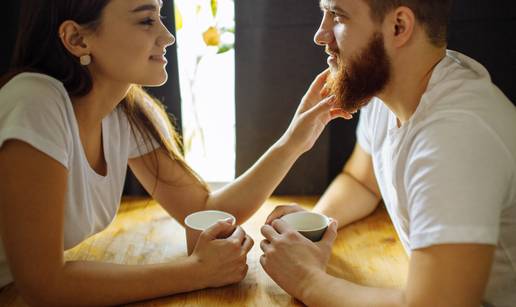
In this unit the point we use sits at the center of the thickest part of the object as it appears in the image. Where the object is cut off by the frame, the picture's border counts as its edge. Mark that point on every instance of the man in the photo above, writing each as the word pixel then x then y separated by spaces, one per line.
pixel 436 142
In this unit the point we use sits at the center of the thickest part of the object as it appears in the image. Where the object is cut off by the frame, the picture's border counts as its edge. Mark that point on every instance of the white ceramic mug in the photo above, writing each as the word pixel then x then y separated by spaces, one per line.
pixel 310 224
pixel 199 221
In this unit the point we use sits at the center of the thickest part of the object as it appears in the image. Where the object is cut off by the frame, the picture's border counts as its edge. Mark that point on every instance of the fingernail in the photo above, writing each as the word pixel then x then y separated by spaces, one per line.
pixel 324 92
pixel 331 100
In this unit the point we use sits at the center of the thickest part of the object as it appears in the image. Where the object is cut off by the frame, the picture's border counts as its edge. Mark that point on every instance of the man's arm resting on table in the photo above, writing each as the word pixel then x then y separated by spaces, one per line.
pixel 440 275
pixel 354 193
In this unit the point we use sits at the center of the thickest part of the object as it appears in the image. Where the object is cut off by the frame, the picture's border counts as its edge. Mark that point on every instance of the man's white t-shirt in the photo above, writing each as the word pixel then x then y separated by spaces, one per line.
pixel 37 110
pixel 448 175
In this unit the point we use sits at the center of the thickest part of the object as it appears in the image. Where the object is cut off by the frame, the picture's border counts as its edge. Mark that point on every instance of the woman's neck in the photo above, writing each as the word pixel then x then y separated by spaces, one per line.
pixel 98 103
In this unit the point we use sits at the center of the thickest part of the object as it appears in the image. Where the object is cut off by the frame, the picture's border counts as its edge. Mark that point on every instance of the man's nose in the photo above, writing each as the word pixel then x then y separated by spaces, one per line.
pixel 322 37
pixel 324 34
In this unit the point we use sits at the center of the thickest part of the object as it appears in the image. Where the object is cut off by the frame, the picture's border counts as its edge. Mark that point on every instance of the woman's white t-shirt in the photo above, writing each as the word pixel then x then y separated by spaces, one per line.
pixel 37 110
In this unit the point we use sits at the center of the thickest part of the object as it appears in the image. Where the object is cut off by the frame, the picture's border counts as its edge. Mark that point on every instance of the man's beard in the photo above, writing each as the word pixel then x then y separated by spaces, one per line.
pixel 365 75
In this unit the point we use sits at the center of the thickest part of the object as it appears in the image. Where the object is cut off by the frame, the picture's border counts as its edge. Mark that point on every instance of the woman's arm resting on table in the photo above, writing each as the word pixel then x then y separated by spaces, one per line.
pixel 32 196
pixel 441 275
pixel 248 192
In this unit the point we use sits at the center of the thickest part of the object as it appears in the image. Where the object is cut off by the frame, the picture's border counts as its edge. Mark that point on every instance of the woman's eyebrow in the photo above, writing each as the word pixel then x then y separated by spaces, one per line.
pixel 147 7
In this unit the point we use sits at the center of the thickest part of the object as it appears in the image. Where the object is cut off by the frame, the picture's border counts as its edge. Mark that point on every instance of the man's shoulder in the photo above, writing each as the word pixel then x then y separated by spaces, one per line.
pixel 461 82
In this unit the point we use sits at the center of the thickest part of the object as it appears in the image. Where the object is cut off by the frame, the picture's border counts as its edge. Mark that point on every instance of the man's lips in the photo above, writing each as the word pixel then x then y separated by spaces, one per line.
pixel 333 56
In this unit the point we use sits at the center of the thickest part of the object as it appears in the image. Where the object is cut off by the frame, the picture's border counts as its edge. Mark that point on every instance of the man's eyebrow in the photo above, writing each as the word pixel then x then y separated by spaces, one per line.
pixel 147 7
pixel 325 6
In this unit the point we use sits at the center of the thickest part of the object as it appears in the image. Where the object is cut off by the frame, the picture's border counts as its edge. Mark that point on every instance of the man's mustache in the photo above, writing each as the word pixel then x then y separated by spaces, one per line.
pixel 330 51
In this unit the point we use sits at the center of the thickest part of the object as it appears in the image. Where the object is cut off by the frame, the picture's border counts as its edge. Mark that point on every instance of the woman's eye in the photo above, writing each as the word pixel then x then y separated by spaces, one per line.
pixel 148 21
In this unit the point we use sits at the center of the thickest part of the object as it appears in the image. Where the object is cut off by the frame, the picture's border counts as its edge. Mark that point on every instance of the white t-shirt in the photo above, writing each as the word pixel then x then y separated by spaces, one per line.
pixel 448 175
pixel 36 109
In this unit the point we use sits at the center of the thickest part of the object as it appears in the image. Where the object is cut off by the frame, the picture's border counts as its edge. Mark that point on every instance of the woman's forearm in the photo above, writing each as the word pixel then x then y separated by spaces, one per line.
pixel 85 283
pixel 249 191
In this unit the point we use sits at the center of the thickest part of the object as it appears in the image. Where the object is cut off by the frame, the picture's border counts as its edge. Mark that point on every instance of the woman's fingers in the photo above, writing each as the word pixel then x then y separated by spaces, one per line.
pixel 335 113
pixel 315 91
pixel 320 81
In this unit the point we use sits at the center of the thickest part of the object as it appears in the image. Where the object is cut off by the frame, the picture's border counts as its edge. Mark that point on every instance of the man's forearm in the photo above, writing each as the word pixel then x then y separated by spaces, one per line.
pixel 326 290
pixel 347 200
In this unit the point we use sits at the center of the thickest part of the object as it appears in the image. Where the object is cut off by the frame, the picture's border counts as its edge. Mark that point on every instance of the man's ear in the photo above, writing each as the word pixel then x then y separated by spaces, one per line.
pixel 73 38
pixel 401 24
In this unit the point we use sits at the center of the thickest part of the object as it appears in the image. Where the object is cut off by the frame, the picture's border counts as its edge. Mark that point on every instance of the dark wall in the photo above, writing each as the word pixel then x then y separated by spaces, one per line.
pixel 277 59
pixel 485 30
pixel 8 28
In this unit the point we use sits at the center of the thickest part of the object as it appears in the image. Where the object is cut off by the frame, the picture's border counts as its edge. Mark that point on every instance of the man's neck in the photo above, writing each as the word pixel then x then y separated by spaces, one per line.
pixel 411 74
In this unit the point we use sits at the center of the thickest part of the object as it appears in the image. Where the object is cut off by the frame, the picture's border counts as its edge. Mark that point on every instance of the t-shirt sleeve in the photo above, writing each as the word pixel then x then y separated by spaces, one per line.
pixel 34 112
pixel 362 132
pixel 456 183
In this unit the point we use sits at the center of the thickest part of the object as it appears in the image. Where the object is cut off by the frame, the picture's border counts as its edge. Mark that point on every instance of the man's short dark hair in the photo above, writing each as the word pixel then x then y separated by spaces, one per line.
pixel 431 14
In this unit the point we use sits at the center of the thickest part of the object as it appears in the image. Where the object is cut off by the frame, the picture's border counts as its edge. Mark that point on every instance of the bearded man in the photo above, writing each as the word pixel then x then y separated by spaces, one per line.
pixel 436 141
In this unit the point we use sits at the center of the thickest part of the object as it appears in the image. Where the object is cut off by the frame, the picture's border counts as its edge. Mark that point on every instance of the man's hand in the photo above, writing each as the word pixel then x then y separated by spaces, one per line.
pixel 282 210
pixel 290 259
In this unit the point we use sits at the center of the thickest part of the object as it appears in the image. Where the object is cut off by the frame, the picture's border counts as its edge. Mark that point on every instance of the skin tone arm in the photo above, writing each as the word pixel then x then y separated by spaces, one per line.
pixel 31 226
pixel 352 195
pixel 436 274
pixel 248 192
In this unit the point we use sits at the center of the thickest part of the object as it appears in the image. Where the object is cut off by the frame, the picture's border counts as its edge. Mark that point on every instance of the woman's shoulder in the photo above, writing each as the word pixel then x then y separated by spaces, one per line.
pixel 29 80
pixel 33 91
pixel 34 109
pixel 35 85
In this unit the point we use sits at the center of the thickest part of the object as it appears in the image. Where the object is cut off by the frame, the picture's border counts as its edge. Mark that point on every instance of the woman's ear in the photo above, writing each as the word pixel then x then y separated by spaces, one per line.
pixel 73 38
pixel 401 24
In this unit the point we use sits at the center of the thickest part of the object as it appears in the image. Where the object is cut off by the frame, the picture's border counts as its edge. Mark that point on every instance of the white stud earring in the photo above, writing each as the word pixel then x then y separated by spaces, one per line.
pixel 85 60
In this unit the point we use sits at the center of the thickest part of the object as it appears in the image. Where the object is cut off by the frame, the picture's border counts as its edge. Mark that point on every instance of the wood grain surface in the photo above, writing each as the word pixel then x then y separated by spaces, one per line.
pixel 367 252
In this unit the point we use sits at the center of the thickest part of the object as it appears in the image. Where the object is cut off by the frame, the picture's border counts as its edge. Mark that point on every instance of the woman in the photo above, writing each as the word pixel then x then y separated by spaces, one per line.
pixel 72 117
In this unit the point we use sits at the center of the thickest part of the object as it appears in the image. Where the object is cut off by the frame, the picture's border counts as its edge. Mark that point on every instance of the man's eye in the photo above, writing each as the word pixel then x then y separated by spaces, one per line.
pixel 339 18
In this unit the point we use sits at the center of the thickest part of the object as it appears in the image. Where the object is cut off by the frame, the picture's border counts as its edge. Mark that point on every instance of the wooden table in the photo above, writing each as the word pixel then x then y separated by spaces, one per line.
pixel 367 252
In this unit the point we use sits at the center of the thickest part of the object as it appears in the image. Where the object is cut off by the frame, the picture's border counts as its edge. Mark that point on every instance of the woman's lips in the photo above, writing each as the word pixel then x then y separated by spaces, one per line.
pixel 158 58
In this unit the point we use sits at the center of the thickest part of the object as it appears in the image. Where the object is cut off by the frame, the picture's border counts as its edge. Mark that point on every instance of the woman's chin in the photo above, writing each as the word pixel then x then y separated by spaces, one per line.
pixel 155 80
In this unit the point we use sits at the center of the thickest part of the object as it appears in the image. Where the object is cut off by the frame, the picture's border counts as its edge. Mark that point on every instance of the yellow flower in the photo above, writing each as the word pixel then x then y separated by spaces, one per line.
pixel 178 17
pixel 211 37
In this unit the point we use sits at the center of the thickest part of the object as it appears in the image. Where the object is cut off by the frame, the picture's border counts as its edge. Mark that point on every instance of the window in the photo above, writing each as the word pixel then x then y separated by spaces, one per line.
pixel 205 40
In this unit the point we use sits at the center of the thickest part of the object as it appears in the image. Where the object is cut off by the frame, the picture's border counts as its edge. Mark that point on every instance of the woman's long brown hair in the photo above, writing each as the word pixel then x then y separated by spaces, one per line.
pixel 39 49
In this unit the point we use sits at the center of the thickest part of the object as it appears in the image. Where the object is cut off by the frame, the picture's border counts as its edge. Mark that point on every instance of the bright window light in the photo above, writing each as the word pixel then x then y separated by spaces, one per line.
pixel 205 42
